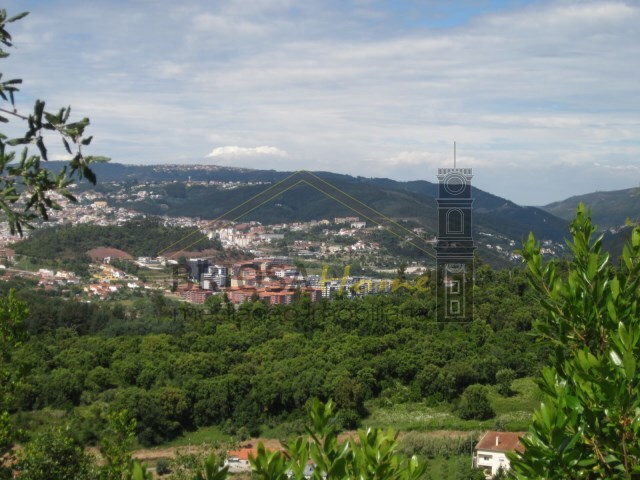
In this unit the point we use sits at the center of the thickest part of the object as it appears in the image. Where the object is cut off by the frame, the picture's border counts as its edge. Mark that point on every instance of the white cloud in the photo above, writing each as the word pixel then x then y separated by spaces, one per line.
pixel 60 156
pixel 632 168
pixel 415 158
pixel 235 151
pixel 354 87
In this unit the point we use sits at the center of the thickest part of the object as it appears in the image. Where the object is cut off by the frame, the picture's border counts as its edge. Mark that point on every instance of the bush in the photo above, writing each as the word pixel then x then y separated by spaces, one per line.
pixel 53 454
pixel 163 466
pixel 474 404
pixel 587 424
pixel 504 378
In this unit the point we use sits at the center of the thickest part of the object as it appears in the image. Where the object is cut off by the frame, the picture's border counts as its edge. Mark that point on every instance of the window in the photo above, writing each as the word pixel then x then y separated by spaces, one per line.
pixel 454 221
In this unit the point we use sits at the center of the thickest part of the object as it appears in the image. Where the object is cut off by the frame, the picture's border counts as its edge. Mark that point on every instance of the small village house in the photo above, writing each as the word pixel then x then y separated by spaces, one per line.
pixel 491 451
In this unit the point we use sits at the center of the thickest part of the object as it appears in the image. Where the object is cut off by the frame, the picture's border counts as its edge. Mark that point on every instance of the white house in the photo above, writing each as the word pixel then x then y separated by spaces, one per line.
pixel 491 451
pixel 238 460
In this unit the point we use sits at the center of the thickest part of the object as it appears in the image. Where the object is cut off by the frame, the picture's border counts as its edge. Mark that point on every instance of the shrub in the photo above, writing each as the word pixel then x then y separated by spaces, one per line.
pixel 504 378
pixel 474 404
pixel 163 466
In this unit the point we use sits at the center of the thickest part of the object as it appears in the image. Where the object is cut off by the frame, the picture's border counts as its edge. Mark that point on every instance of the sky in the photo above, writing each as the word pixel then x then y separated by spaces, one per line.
pixel 541 97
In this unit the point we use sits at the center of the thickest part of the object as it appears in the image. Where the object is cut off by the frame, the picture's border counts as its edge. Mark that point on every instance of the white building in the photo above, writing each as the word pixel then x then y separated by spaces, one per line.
pixel 238 460
pixel 491 451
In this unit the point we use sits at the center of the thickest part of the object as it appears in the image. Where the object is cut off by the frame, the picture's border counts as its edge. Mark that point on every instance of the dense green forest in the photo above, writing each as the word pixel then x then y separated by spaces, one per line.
pixel 180 367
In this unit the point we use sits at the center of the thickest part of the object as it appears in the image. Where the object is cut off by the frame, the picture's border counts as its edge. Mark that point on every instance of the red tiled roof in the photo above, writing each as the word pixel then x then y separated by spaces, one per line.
pixel 501 441
pixel 243 453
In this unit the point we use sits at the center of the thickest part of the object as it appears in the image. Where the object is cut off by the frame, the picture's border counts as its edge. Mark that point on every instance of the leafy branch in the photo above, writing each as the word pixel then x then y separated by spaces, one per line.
pixel 26 186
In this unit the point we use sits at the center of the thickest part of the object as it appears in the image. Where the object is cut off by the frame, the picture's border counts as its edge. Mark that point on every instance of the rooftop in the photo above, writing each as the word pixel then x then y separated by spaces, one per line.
pixel 501 441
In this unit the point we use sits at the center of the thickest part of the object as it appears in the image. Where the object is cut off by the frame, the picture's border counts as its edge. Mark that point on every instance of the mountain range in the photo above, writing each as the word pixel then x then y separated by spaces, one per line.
pixel 412 201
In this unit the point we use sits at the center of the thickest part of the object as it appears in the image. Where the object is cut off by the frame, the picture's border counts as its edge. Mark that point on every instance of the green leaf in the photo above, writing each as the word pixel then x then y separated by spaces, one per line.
pixel 629 361
pixel 41 147
pixel 66 145
pixel 89 175
pixel 625 336
pixel 615 358
pixel 17 17
pixel 614 285
pixel 611 309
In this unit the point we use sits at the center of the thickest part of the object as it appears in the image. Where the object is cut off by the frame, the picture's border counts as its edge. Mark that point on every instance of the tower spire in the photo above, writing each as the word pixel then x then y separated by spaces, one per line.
pixel 454 154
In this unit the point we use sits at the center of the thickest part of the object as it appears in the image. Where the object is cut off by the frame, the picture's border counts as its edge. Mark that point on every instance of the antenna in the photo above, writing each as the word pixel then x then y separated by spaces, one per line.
pixel 454 154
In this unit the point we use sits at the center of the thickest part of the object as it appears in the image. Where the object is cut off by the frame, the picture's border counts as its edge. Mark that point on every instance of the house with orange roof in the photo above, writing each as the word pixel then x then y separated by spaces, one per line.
pixel 490 454
pixel 238 460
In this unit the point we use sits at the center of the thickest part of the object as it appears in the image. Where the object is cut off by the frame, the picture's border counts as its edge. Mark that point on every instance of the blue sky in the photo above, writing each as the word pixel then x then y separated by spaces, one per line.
pixel 541 97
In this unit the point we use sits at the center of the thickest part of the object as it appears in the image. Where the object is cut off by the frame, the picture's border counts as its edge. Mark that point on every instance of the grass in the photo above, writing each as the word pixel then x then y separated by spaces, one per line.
pixel 512 413
pixel 420 417
pixel 448 468
pixel 526 397
pixel 24 263
pixel 201 436
pixel 152 274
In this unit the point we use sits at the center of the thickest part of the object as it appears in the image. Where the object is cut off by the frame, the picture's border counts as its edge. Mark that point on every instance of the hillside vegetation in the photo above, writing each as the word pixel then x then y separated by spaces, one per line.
pixel 414 199
pixel 141 237
pixel 178 368
pixel 608 209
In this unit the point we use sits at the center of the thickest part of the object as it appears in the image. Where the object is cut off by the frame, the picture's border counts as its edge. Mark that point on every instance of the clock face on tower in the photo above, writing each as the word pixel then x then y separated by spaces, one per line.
pixel 455 183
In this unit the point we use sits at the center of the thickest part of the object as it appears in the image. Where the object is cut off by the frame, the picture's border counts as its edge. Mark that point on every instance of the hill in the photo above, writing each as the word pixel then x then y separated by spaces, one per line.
pixel 609 209
pixel 496 214
pixel 614 241
pixel 413 200
pixel 143 237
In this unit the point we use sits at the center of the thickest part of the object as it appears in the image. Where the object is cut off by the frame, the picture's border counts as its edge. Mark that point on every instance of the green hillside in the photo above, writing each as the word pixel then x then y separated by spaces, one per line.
pixel 413 199
pixel 609 209
pixel 142 237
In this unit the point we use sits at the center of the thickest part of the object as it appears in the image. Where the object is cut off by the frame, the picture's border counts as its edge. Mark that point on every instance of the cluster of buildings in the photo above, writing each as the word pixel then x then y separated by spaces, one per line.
pixel 50 279
pixel 253 235
pixel 349 285
pixel 107 280
pixel 91 208
pixel 275 280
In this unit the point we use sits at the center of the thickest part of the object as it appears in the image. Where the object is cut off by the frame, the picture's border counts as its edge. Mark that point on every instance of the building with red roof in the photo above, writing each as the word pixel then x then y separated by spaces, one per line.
pixel 490 454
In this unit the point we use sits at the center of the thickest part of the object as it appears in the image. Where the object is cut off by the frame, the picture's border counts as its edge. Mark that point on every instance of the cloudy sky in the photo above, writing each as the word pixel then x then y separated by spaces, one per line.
pixel 542 97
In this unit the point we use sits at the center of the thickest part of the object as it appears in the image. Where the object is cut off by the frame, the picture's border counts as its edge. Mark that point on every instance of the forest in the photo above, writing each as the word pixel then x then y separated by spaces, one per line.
pixel 180 367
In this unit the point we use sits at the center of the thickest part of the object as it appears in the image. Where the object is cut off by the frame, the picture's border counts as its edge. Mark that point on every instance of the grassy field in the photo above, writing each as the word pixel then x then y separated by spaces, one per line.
pixel 447 468
pixel 512 413
pixel 202 436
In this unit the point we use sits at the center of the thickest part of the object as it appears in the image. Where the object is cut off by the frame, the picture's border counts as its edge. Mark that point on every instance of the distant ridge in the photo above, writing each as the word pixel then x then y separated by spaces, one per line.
pixel 609 209
pixel 413 201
